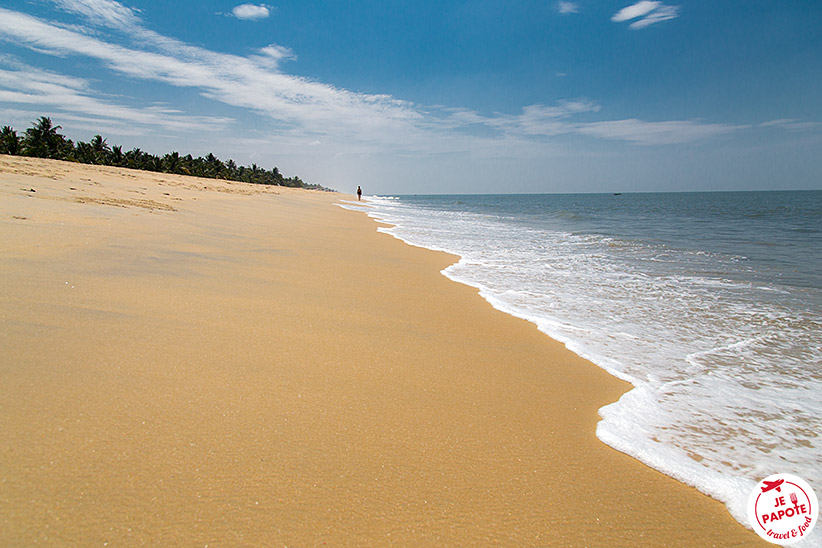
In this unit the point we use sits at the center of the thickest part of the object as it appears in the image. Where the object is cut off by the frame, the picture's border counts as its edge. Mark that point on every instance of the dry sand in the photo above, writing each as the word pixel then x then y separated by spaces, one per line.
pixel 188 362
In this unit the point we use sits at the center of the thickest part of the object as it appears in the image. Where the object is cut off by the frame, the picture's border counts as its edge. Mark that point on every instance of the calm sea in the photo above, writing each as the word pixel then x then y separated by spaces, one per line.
pixel 710 304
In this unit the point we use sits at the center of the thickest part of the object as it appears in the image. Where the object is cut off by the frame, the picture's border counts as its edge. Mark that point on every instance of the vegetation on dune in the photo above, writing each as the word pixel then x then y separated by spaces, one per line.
pixel 43 140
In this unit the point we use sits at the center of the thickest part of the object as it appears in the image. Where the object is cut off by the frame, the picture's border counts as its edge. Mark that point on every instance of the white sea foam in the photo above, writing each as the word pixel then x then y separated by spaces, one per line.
pixel 728 386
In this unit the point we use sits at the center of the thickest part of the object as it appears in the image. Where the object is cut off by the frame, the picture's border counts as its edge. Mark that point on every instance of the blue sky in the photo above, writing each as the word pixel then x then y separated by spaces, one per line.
pixel 437 96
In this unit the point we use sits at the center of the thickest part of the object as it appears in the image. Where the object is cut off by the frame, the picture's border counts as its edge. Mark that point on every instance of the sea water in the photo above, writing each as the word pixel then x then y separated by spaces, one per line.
pixel 709 304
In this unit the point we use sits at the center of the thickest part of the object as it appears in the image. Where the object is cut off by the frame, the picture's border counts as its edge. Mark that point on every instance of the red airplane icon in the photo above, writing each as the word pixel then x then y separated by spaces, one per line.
pixel 773 485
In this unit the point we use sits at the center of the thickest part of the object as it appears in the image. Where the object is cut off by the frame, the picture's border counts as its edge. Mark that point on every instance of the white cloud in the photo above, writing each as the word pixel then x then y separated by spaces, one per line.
pixel 546 120
pixel 106 12
pixel 244 82
pixel 301 110
pixel 656 133
pixel 567 7
pixel 271 55
pixel 542 121
pixel 791 124
pixel 635 10
pixel 251 11
pixel 649 11
pixel 662 13
pixel 24 85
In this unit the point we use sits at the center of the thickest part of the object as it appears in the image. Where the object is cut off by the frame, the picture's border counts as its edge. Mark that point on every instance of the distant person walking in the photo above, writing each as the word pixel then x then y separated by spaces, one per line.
pixel 359 194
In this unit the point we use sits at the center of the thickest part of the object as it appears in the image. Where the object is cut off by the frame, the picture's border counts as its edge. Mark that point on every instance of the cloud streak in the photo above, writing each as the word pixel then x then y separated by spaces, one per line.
pixel 26 85
pixel 657 133
pixel 101 12
pixel 299 108
pixel 647 12
pixel 245 82
pixel 549 121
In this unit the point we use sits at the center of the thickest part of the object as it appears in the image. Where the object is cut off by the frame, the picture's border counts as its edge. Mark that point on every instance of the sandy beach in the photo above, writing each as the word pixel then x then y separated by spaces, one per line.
pixel 192 362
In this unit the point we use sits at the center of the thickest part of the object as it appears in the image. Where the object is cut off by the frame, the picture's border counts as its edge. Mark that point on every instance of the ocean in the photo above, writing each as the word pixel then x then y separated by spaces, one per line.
pixel 709 304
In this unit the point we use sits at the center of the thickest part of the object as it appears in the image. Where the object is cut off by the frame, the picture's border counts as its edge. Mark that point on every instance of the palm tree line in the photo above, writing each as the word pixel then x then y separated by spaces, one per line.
pixel 43 140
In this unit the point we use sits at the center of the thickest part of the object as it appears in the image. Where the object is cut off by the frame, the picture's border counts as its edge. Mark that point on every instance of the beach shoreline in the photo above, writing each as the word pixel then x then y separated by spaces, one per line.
pixel 192 361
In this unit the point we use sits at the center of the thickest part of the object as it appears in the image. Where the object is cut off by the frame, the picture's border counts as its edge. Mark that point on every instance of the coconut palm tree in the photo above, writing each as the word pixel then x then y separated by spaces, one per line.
pixel 84 153
pixel 117 157
pixel 213 166
pixel 171 162
pixel 43 140
pixel 100 150
pixel 9 141
pixel 132 158
pixel 231 169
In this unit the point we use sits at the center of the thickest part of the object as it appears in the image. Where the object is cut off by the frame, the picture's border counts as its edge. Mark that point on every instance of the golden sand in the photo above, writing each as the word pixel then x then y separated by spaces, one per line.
pixel 191 362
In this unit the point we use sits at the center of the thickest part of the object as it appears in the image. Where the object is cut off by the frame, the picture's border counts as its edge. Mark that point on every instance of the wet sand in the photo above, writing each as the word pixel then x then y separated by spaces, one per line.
pixel 191 362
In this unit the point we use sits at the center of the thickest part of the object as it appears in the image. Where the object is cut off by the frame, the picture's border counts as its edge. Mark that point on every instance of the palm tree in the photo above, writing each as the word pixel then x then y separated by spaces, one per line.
pixel 214 167
pixel 132 158
pixel 84 153
pixel 171 162
pixel 117 157
pixel 152 163
pixel 231 169
pixel 100 150
pixel 43 141
pixel 9 141
pixel 186 163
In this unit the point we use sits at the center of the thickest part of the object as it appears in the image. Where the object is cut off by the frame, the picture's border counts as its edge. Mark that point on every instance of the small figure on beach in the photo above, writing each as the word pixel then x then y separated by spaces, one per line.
pixel 359 194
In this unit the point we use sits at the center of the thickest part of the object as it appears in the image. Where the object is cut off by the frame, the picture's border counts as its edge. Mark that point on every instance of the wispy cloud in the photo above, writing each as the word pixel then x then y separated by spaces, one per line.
pixel 548 121
pixel 251 11
pixel 544 121
pixel 635 10
pixel 271 56
pixel 657 133
pixel 102 12
pixel 245 82
pixel 647 12
pixel 566 8
pixel 300 110
pixel 791 124
pixel 25 85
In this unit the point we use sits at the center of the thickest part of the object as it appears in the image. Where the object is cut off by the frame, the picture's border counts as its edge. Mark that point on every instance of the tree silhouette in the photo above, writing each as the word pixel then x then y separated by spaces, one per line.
pixel 9 141
pixel 171 162
pixel 43 140
pixel 117 157
pixel 84 153
pixel 100 149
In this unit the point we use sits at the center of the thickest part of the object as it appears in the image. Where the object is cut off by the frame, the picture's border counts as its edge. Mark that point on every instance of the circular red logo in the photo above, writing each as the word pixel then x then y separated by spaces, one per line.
pixel 783 509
